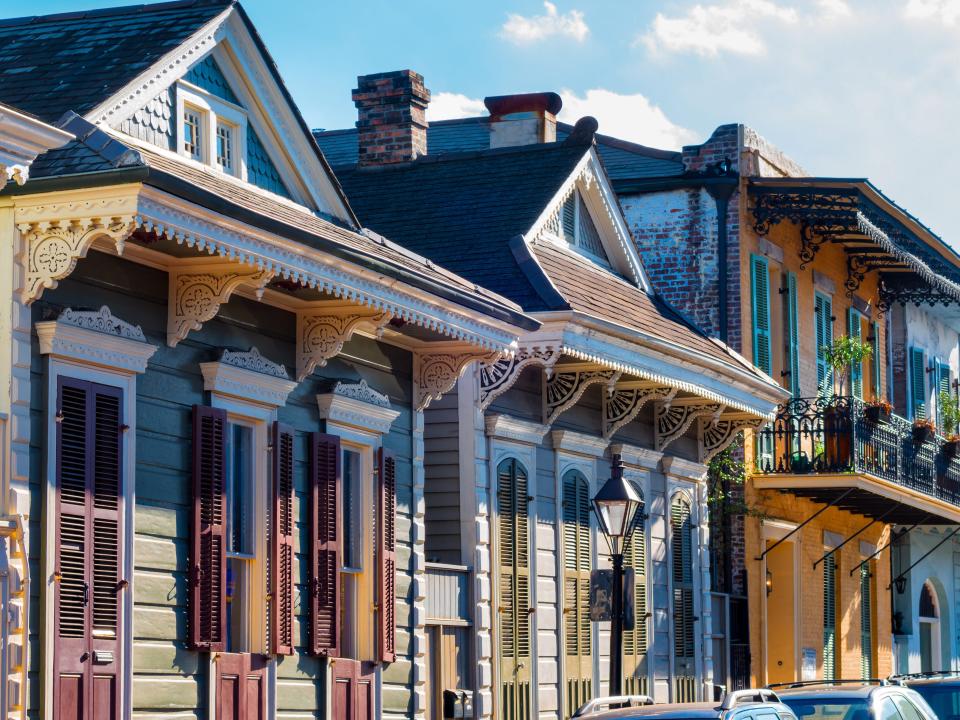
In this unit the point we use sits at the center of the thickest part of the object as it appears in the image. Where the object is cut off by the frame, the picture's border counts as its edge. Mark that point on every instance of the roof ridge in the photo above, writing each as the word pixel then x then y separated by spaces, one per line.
pixel 116 10
pixel 629 145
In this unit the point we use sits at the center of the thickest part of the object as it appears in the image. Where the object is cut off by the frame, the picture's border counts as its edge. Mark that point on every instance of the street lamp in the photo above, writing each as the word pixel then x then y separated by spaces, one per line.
pixel 616 506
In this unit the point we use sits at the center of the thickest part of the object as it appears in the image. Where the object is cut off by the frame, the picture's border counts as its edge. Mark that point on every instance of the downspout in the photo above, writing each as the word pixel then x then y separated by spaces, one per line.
pixel 721 194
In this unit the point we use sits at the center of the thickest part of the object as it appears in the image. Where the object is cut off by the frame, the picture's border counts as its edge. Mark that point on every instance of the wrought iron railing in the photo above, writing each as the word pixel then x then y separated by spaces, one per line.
pixel 846 435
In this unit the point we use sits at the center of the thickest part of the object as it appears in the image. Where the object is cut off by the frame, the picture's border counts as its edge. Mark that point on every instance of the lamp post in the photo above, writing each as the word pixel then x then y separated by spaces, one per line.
pixel 616 506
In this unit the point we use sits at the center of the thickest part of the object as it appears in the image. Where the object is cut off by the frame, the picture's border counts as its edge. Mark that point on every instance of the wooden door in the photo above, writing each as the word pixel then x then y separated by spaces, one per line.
pixel 577 554
pixel 513 596
pixel 241 687
pixel 353 689
pixel 88 581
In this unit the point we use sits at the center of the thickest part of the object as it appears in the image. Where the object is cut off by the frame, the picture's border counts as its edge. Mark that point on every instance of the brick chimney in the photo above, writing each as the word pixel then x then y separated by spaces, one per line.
pixel 392 120
pixel 525 119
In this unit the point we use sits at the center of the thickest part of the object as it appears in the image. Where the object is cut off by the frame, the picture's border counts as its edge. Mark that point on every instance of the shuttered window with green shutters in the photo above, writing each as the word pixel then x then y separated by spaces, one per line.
pixel 918 384
pixel 684 634
pixel 791 333
pixel 823 323
pixel 760 292
pixel 854 330
pixel 513 596
pixel 830 643
pixel 876 360
pixel 635 641
pixel 942 386
pixel 866 621
pixel 577 553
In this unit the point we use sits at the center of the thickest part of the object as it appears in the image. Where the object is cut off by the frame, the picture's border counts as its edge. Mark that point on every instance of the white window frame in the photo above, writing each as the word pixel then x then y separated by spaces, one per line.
pixel 213 112
pixel 580 199
pixel 84 354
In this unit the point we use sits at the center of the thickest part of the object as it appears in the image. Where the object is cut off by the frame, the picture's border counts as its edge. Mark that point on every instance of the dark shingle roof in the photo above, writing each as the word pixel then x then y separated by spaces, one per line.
pixel 462 209
pixel 74 61
pixel 622 160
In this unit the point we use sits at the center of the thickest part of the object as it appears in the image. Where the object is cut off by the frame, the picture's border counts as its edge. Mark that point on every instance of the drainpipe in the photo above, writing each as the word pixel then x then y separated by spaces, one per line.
pixel 721 194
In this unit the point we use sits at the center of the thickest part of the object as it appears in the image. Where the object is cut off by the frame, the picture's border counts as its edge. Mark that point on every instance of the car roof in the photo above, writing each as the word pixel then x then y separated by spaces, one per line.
pixel 685 711
pixel 941 680
pixel 848 692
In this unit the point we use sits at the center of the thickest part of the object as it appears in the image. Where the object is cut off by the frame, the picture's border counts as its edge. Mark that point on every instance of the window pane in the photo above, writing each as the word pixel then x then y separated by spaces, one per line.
pixel 906 708
pixel 352 499
pixel 191 134
pixel 239 478
pixel 225 147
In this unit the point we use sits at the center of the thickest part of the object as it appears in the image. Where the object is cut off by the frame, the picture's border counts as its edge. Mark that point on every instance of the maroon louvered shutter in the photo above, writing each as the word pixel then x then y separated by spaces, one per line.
pixel 208 543
pixel 325 590
pixel 387 550
pixel 281 566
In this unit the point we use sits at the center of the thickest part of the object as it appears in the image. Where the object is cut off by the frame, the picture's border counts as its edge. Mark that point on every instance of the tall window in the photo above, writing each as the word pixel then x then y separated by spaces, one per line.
pixel 193 133
pixel 241 535
pixel 356 581
pixel 225 149
pixel 684 632
pixel 212 131
pixel 830 639
pixel 823 324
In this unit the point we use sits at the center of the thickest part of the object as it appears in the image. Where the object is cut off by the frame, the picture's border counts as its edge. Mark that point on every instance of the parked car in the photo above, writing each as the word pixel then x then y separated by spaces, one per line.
pixel 941 690
pixel 738 705
pixel 854 700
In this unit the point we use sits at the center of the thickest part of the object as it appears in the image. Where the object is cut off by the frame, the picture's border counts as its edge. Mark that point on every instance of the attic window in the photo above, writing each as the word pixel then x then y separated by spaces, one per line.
pixel 576 227
pixel 212 130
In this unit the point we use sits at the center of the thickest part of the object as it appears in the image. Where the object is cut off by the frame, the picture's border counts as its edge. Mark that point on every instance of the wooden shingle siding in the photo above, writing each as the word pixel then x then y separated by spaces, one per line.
pixel 169 680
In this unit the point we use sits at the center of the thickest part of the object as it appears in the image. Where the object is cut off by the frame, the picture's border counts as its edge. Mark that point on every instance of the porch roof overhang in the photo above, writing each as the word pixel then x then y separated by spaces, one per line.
pixel 866 495
pixel 914 264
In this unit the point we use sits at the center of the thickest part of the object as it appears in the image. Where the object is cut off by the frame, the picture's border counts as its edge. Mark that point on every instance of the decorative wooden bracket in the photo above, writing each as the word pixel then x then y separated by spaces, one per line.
pixel 437 373
pixel 498 377
pixel 627 400
pixel 198 290
pixel 716 434
pixel 324 327
pixel 672 419
pixel 52 248
pixel 566 386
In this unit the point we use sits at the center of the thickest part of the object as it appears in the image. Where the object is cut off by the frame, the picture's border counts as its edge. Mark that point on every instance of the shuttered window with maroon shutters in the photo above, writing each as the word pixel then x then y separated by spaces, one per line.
pixel 281 565
pixel 387 552
pixel 88 550
pixel 208 543
pixel 325 580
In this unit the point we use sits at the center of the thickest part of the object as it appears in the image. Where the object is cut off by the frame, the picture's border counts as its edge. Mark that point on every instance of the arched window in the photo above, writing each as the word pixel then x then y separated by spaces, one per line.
pixel 513 590
pixel 684 645
pixel 635 641
pixel 931 658
pixel 928 603
pixel 577 554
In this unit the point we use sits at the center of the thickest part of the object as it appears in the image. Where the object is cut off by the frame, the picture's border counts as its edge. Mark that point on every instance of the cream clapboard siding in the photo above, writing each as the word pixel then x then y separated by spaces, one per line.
pixel 170 680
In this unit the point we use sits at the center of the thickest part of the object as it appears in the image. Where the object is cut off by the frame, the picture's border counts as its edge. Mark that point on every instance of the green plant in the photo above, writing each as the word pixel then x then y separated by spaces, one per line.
pixel 843 352
pixel 727 475
pixel 949 407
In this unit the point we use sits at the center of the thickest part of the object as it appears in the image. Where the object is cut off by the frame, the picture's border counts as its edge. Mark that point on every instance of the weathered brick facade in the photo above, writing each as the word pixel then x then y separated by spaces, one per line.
pixel 392 117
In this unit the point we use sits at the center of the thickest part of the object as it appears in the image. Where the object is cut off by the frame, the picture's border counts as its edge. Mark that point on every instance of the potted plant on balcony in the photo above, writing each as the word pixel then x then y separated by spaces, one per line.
pixel 878 412
pixel 949 407
pixel 923 430
pixel 840 355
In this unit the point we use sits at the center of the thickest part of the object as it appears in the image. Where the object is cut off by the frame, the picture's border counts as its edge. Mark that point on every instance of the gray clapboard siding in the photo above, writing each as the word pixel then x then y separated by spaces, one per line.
pixel 442 480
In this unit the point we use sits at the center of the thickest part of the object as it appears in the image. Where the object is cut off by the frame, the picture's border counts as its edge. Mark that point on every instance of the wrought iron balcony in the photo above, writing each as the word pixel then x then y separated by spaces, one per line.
pixel 829 445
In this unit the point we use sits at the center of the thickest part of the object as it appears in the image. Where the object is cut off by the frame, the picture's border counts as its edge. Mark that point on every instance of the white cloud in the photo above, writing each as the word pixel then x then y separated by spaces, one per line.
pixel 945 11
pixel 628 117
pixel 834 9
pixel 709 30
pixel 448 106
pixel 525 30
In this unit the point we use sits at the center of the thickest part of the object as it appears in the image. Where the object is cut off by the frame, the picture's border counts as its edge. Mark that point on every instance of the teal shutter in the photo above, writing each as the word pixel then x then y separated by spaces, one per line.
pixel 918 385
pixel 943 385
pixel 856 369
pixel 829 617
pixel 866 622
pixel 792 343
pixel 823 320
pixel 760 292
pixel 876 361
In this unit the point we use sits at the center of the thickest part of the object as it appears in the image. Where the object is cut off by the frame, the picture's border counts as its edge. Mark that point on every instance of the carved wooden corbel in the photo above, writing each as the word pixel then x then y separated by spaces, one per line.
pixel 627 400
pixel 437 373
pixel 197 291
pixel 498 377
pixel 716 434
pixel 324 327
pixel 672 419
pixel 51 248
pixel 565 388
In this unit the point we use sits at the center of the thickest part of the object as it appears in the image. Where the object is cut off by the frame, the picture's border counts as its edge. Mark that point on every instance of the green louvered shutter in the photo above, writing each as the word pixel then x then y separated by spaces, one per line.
pixel 829 617
pixel 876 361
pixel 760 292
pixel 635 641
pixel 866 622
pixel 918 384
pixel 792 340
pixel 856 369
pixel 943 385
pixel 823 321
pixel 577 555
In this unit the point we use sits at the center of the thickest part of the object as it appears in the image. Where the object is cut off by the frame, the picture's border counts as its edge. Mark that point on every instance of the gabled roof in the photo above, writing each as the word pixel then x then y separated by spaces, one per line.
pixel 74 61
pixel 621 159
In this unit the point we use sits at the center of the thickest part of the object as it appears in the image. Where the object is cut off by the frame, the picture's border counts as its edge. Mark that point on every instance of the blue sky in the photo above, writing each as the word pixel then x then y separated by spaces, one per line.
pixel 847 88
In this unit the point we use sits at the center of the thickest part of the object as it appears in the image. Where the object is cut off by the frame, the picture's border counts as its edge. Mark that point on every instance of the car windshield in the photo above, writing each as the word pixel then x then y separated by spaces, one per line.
pixel 828 708
pixel 944 699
